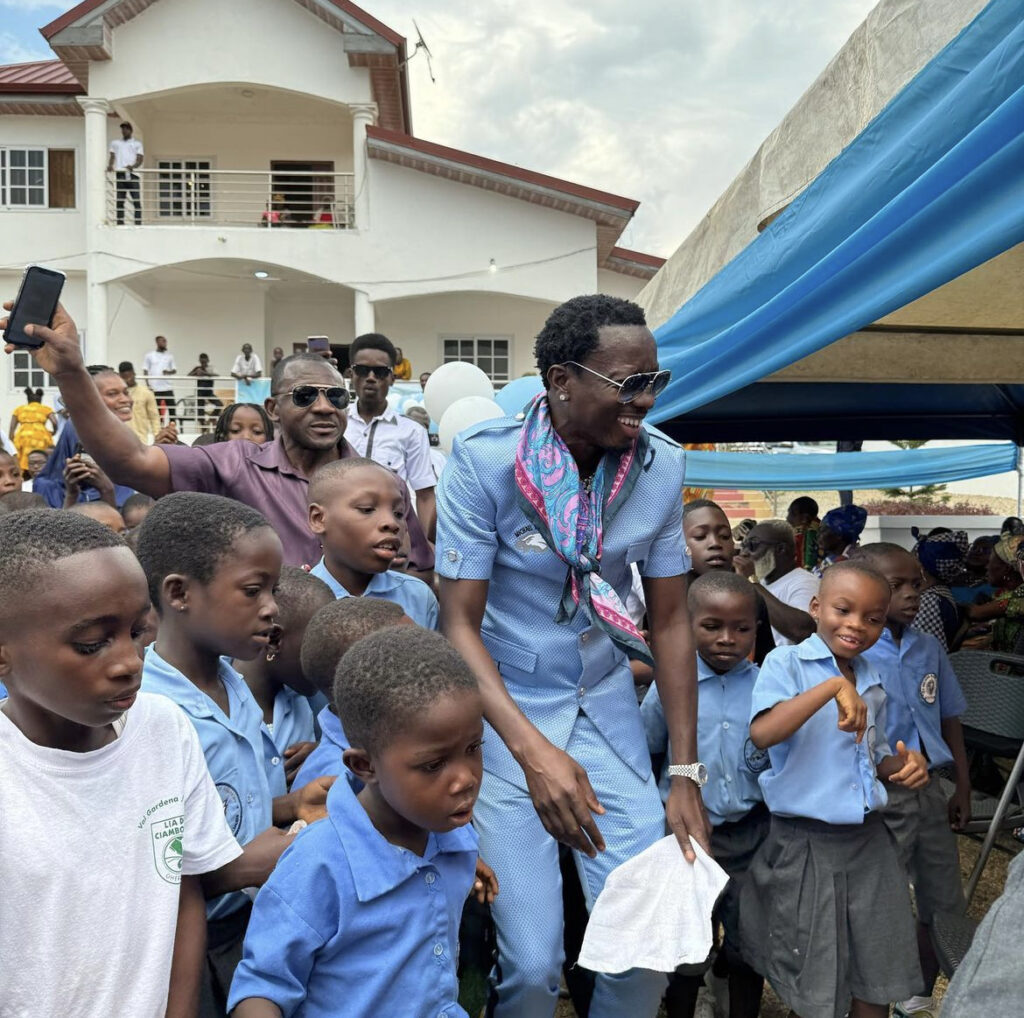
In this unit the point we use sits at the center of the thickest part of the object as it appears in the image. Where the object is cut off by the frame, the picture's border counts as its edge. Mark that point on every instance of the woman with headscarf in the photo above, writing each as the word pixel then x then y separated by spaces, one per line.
pixel 840 531
pixel 1005 611
pixel 941 554
pixel 540 517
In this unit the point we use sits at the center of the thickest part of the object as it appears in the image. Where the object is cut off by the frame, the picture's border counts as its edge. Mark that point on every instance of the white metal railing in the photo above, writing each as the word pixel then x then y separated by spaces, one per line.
pixel 198 401
pixel 279 199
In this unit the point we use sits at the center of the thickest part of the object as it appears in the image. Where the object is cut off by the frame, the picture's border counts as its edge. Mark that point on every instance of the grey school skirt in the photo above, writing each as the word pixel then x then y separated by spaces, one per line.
pixel 825 915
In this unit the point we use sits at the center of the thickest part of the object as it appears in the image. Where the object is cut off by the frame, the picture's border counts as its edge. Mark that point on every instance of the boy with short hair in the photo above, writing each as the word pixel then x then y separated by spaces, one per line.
pixel 88 762
pixel 332 631
pixel 923 708
pixel 361 914
pixel 825 913
pixel 723 614
pixel 356 508
pixel 277 682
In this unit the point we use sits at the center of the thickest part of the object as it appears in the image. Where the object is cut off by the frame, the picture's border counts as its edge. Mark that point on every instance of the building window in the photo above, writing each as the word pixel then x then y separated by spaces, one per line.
pixel 184 187
pixel 489 353
pixel 37 178
pixel 27 375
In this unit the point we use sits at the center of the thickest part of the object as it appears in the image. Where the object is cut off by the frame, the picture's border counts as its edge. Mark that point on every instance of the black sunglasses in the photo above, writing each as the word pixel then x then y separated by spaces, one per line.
pixel 365 370
pixel 633 385
pixel 306 395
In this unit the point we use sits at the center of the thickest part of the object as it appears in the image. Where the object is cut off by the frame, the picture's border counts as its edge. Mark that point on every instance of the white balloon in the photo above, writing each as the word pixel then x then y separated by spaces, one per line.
pixel 462 414
pixel 454 381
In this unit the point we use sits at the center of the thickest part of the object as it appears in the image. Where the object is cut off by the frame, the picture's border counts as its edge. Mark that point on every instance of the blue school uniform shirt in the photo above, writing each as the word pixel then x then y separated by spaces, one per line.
pixel 819 771
pixel 325 761
pixel 234 751
pixel 921 689
pixel 554 671
pixel 412 594
pixel 293 722
pixel 350 924
pixel 723 740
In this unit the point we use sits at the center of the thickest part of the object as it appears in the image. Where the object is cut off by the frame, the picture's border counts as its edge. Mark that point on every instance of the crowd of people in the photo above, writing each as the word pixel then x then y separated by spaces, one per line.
pixel 296 723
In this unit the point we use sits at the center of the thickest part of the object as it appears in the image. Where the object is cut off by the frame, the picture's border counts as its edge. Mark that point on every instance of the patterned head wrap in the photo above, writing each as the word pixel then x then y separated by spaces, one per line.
pixel 941 554
pixel 1007 548
pixel 847 521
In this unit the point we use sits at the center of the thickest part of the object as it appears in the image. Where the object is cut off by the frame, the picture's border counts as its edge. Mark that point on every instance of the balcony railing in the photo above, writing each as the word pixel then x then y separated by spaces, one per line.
pixel 206 197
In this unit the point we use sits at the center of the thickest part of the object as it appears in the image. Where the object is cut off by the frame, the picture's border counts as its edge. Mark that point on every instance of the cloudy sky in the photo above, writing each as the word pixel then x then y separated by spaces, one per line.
pixel 659 100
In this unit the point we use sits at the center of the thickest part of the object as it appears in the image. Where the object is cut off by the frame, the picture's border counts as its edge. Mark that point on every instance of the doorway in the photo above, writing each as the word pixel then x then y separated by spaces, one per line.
pixel 305 186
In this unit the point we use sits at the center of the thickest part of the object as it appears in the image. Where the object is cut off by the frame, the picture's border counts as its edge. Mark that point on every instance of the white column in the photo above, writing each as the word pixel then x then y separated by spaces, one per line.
pixel 363 114
pixel 96 320
pixel 96 111
pixel 364 317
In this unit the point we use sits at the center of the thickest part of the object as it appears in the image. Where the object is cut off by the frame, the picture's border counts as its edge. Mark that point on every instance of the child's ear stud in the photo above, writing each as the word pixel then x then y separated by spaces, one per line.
pixel 562 396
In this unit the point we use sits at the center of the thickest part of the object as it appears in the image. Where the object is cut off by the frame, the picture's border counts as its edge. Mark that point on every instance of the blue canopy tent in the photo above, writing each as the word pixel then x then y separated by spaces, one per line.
pixel 930 189
pixel 889 469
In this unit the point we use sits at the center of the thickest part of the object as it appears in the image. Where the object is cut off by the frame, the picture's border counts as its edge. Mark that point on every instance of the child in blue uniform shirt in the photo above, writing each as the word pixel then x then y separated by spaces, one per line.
pixel 361 915
pixel 276 680
pixel 825 914
pixel 212 564
pixel 723 614
pixel 356 508
pixel 332 631
pixel 923 707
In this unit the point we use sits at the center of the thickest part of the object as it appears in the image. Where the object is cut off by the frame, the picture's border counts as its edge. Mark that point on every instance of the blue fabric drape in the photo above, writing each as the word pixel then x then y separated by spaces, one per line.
pixel 826 471
pixel 931 188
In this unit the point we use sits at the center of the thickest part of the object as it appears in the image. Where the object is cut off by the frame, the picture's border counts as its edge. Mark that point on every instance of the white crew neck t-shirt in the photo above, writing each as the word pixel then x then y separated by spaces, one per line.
pixel 796 589
pixel 92 850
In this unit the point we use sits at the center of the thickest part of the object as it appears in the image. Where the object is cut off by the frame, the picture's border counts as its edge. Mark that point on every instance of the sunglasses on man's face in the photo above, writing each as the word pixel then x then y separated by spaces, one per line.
pixel 365 370
pixel 633 386
pixel 304 396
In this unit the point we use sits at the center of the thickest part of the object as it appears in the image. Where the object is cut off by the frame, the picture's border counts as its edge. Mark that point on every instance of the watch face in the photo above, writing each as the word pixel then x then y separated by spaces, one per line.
pixel 702 774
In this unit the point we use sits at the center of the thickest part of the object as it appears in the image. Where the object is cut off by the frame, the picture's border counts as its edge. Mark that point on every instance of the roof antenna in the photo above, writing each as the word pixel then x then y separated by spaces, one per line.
pixel 421 44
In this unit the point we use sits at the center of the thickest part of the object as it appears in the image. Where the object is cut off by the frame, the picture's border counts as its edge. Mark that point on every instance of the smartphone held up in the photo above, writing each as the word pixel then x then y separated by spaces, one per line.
pixel 36 304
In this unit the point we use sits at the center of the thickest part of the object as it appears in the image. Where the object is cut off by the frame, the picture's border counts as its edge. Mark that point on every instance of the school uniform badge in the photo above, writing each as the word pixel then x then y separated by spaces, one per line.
pixel 166 836
pixel 929 688
pixel 232 802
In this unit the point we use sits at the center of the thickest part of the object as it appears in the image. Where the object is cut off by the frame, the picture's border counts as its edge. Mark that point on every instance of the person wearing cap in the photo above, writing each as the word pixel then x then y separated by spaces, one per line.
pixel 839 533
pixel 125 156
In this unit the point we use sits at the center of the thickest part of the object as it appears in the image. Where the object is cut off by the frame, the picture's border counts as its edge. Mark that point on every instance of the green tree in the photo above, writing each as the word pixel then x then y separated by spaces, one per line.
pixel 923 493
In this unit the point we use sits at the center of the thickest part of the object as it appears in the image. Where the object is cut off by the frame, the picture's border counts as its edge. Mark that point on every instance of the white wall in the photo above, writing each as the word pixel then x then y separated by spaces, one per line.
pixel 417 324
pixel 273 42
pixel 290 321
pixel 47 236
pixel 619 285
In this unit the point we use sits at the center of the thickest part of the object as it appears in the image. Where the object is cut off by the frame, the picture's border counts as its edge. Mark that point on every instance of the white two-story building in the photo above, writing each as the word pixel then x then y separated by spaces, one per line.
pixel 283 194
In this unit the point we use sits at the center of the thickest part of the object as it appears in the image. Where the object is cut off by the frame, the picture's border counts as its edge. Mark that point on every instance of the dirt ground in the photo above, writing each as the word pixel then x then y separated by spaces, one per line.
pixel 989 888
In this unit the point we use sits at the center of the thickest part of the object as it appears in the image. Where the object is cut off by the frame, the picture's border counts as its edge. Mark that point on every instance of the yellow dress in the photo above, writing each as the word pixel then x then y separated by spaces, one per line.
pixel 32 433
pixel 403 370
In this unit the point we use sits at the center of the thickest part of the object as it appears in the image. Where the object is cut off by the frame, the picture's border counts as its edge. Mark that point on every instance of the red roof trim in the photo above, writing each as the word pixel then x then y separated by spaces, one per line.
pixel 636 256
pixel 68 18
pixel 455 155
pixel 87 6
pixel 375 26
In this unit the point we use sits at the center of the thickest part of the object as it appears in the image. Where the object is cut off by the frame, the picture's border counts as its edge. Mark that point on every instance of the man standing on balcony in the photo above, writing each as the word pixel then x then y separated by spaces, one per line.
pixel 126 157
pixel 157 365
pixel 145 420
pixel 247 365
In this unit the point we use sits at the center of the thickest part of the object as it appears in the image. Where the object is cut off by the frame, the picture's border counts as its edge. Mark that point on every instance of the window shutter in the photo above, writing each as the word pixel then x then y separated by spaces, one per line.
pixel 62 178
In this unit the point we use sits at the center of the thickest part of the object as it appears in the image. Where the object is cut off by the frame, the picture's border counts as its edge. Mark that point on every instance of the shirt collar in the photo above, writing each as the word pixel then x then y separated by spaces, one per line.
pixel 390 416
pixel 814 648
pixel 705 671
pixel 380 583
pixel 331 728
pixel 272 456
pixel 376 865
pixel 162 677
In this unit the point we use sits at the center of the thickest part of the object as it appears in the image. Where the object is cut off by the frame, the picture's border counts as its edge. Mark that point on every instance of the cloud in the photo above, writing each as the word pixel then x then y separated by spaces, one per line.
pixel 15 50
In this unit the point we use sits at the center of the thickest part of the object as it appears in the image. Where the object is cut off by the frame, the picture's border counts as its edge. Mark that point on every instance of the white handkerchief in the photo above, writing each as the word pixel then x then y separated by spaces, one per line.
pixel 654 911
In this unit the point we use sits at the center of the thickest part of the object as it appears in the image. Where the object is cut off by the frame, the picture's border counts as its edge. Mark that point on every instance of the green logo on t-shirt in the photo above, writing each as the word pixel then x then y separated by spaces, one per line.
pixel 167 847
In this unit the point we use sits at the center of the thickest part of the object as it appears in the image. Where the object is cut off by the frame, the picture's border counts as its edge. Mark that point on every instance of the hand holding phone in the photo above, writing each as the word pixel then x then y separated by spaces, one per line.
pixel 36 304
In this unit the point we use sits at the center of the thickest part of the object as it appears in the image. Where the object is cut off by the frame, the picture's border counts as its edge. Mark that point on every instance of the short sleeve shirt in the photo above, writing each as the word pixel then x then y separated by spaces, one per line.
pixel 125 152
pixel 154 365
pixel 293 723
pixel 325 761
pixel 396 442
pixel 247 366
pixel 820 772
pixel 348 917
pixel 553 671
pixel 796 589
pixel 921 690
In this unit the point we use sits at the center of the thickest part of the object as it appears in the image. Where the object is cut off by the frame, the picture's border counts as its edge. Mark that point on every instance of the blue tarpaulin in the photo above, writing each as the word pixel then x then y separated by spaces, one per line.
pixel 931 188
pixel 814 472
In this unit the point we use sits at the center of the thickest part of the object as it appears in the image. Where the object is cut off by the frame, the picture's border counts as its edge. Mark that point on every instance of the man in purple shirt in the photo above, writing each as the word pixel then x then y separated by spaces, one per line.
pixel 272 478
